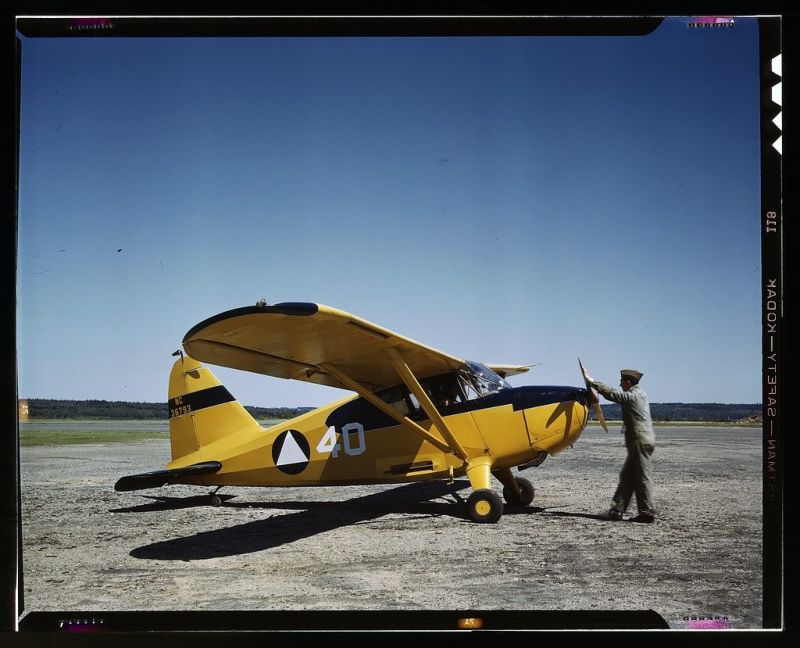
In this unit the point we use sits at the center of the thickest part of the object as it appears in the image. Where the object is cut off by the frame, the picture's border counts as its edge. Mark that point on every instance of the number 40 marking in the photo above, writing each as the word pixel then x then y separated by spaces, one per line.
pixel 328 441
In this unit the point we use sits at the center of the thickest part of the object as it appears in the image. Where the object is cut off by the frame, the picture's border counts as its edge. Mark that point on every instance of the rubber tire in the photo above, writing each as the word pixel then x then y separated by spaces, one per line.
pixel 478 501
pixel 526 496
pixel 216 500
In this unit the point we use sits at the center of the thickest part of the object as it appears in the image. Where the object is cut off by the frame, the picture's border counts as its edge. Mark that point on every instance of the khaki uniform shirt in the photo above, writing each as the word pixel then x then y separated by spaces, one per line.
pixel 637 424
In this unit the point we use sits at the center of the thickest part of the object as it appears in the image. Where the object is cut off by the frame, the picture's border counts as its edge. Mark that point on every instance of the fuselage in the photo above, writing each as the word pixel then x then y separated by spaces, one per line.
pixel 351 441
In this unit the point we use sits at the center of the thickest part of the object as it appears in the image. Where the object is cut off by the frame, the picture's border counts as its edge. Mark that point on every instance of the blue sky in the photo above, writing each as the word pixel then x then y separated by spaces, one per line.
pixel 505 199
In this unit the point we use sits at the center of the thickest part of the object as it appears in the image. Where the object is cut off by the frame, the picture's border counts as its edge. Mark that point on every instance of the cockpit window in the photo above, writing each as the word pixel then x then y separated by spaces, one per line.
pixel 478 380
pixel 473 380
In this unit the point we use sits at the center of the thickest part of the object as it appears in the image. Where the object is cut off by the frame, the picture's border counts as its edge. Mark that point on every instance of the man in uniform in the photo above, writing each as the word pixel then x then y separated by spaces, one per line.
pixel 639 441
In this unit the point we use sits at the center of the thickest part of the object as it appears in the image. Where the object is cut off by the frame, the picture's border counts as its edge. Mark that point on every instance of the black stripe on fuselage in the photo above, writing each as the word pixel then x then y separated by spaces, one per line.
pixel 198 400
pixel 361 411
pixel 522 398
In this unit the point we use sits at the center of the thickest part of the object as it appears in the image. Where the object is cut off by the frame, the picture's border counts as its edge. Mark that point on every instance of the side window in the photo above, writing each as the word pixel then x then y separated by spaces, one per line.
pixel 396 397
pixel 444 390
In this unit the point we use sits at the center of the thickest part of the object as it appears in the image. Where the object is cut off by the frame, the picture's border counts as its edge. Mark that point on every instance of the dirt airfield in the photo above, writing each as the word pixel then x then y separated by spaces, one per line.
pixel 402 547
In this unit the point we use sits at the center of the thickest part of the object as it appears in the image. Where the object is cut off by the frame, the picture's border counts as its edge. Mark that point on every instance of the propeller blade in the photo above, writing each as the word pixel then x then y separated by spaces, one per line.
pixel 598 411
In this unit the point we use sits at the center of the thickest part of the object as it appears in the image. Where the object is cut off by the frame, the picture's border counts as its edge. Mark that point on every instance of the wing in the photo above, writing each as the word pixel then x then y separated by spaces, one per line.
pixel 504 371
pixel 292 340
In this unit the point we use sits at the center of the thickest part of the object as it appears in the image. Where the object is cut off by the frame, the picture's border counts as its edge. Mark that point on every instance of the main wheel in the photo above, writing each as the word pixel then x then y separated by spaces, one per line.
pixel 216 500
pixel 485 505
pixel 526 493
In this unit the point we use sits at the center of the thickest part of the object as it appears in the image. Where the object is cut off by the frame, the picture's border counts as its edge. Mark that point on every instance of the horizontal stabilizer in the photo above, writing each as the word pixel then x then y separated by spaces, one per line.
pixel 162 477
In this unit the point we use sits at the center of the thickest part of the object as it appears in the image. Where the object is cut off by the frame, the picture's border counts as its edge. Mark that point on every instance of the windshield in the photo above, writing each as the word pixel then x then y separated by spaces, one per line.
pixel 478 380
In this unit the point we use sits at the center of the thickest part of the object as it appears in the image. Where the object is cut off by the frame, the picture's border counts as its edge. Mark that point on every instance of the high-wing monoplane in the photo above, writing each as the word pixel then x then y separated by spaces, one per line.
pixel 417 413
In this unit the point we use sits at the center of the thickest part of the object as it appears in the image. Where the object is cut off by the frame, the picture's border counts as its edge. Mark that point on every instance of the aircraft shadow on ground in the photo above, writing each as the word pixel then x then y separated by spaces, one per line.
pixel 310 519
pixel 166 503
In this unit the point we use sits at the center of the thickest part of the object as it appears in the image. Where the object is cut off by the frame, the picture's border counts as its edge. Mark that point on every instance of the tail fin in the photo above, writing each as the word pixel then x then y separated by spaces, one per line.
pixel 201 410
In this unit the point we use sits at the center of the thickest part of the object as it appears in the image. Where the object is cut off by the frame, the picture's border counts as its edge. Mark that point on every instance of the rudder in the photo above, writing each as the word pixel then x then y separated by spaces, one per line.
pixel 201 409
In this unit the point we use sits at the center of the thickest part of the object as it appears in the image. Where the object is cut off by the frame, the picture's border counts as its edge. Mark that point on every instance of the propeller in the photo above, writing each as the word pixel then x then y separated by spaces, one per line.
pixel 595 402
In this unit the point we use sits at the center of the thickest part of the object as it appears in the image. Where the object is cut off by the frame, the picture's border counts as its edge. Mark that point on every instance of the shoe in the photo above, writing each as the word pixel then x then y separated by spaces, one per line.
pixel 614 514
pixel 643 517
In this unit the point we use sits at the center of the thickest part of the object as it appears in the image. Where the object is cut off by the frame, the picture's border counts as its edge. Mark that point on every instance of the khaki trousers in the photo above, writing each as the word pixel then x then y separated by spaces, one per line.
pixel 635 478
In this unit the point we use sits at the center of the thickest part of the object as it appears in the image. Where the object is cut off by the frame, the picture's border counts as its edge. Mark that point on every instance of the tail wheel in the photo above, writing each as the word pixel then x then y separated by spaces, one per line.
pixel 526 492
pixel 485 506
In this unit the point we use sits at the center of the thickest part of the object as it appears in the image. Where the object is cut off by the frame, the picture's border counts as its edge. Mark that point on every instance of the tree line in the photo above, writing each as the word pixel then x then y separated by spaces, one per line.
pixel 710 412
pixel 43 408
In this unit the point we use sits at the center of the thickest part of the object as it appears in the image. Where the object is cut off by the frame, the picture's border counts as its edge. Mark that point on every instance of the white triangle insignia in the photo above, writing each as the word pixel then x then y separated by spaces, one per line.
pixel 290 452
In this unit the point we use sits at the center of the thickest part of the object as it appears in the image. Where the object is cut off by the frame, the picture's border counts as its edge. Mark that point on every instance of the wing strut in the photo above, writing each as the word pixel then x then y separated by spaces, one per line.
pixel 384 407
pixel 430 409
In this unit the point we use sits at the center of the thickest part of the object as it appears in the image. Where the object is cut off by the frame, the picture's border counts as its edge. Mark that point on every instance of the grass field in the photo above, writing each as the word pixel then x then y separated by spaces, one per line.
pixel 31 438
pixel 43 432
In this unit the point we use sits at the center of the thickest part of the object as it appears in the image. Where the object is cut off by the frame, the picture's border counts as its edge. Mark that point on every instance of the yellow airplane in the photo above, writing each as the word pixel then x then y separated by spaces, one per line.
pixel 417 413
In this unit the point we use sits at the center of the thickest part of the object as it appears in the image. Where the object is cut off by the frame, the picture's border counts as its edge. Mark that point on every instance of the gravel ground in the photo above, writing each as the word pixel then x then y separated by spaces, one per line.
pixel 407 547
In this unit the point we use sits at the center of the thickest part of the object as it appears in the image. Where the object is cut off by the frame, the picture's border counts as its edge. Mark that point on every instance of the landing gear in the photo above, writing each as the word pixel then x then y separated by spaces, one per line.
pixel 526 492
pixel 215 499
pixel 485 505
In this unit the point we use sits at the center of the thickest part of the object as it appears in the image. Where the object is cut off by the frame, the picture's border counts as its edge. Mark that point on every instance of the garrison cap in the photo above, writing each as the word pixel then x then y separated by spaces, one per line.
pixel 632 374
